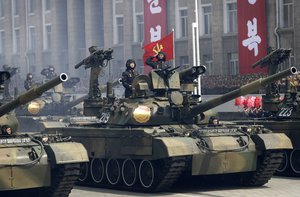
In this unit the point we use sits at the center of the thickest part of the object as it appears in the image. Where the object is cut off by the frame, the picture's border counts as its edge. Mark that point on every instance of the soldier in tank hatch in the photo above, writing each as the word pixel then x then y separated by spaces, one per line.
pixel 128 75
pixel 157 62
pixel 49 72
pixel 28 81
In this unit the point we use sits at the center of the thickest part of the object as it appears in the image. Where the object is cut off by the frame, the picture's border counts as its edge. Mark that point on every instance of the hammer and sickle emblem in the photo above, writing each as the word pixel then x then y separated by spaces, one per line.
pixel 157 48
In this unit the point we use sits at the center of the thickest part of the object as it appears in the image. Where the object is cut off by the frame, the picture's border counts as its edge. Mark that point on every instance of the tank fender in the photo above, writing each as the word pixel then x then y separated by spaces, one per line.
pixel 172 147
pixel 66 152
pixel 272 141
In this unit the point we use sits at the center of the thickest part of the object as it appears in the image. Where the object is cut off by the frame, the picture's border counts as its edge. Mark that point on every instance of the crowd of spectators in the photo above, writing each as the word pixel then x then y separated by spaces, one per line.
pixel 220 84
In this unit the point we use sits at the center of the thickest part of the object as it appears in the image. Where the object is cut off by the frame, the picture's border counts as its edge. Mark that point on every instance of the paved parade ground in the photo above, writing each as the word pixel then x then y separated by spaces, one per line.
pixel 276 187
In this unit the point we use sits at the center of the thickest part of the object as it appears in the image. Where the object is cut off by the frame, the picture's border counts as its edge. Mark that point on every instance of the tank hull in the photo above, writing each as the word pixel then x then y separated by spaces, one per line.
pixel 291 163
pixel 191 150
pixel 39 165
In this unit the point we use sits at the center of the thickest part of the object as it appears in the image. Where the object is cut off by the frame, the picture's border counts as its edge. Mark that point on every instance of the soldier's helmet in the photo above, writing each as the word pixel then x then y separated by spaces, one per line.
pixel 161 56
pixel 51 68
pixel 29 76
pixel 128 62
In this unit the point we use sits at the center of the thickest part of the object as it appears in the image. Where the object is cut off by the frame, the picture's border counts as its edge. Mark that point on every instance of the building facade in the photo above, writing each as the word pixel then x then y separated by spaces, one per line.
pixel 36 33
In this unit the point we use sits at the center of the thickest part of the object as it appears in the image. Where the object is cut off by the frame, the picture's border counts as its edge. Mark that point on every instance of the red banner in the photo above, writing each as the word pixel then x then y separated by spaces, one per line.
pixel 252 39
pixel 165 45
pixel 155 22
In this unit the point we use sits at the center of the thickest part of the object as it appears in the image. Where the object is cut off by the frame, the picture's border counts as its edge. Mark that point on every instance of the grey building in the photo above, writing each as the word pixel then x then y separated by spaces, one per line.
pixel 36 33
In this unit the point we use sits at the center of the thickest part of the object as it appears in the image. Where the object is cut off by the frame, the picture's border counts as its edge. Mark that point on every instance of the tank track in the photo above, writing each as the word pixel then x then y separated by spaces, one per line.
pixel 62 181
pixel 267 166
pixel 173 168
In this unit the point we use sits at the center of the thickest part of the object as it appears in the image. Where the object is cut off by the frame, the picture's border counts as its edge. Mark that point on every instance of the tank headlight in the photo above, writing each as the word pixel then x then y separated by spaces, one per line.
pixel 142 114
pixel 33 107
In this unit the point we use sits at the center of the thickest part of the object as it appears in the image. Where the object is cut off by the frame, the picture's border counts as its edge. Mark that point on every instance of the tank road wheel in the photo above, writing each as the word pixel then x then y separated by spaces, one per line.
pixel 295 160
pixel 129 172
pixel 84 171
pixel 146 173
pixel 113 171
pixel 284 163
pixel 97 170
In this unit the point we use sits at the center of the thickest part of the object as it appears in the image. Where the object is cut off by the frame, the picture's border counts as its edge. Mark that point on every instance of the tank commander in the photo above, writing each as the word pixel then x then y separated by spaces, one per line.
pixel 12 71
pixel 49 72
pixel 28 81
pixel 157 62
pixel 128 75
pixel 6 130
pixel 213 121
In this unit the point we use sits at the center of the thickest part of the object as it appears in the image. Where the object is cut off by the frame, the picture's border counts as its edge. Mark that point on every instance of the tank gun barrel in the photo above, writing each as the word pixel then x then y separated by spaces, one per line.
pixel 244 90
pixel 191 73
pixel 32 94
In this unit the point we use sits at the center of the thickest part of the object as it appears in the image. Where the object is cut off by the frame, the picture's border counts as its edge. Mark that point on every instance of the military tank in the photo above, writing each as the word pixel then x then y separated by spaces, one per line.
pixel 146 142
pixel 35 164
pixel 60 100
pixel 280 115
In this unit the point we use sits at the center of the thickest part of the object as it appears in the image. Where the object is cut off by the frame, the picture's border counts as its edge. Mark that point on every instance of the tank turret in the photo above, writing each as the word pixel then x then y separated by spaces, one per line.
pixel 165 98
pixel 48 164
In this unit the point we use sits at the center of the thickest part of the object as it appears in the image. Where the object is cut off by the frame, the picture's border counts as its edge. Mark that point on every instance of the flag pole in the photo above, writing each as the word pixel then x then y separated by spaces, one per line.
pixel 174 58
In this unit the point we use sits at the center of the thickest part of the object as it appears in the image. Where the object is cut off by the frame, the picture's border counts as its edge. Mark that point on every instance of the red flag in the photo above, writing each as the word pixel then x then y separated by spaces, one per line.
pixel 165 45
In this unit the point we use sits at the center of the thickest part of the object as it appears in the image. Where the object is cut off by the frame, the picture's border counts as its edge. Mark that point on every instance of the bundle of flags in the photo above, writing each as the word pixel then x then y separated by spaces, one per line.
pixel 249 102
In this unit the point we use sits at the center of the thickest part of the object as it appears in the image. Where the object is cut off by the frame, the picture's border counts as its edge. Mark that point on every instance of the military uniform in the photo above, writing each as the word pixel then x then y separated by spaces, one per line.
pixel 49 72
pixel 160 62
pixel 28 82
pixel 128 77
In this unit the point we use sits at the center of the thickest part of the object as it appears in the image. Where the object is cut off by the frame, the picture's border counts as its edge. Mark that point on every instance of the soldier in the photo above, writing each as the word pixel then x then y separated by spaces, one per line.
pixel 49 72
pixel 128 76
pixel 6 130
pixel 157 62
pixel 29 81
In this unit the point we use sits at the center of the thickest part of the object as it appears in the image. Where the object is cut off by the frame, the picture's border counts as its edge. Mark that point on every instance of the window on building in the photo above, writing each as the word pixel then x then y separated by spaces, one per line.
pixel 2 42
pixel 47 40
pixel 47 5
pixel 120 29
pixel 31 37
pixel 139 27
pixel 183 14
pixel 17 41
pixel 31 6
pixel 32 62
pixel 208 63
pixel 184 61
pixel 16 6
pixel 231 11
pixel 140 66
pixel 233 63
pixel 207 19
pixel 1 8
pixel 287 14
